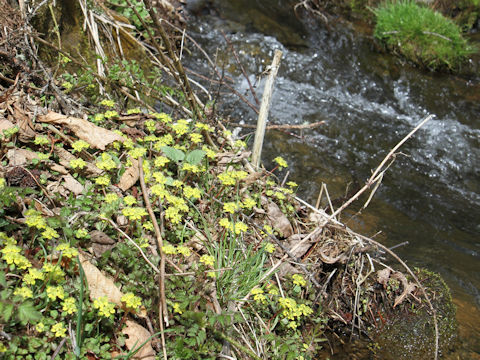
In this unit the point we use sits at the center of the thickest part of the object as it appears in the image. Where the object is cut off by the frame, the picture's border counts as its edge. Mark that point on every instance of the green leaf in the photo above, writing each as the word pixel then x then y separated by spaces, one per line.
pixel 27 313
pixel 173 154
pixel 195 157
pixel 3 280
pixel 6 311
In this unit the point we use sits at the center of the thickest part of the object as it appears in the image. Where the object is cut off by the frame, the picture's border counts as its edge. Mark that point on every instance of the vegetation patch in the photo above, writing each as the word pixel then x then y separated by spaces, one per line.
pixel 421 35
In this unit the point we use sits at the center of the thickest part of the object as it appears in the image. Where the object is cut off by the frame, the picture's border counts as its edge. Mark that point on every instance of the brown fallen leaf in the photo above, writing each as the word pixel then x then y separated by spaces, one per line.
pixel 99 284
pixel 383 276
pixel 408 287
pixel 65 157
pixel 20 157
pixel 137 335
pixel 73 185
pixel 277 218
pixel 130 176
pixel 96 136
pixel 101 242
pixel 293 240
pixel 4 125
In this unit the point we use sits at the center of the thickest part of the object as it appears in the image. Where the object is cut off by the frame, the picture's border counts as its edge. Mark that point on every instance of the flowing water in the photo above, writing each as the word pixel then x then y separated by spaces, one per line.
pixel 429 197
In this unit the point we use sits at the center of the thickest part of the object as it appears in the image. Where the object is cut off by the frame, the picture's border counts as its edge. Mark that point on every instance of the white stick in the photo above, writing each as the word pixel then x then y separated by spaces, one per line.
pixel 264 107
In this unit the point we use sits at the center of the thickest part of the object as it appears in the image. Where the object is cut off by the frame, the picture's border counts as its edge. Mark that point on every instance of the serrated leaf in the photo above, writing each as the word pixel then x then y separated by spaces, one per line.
pixel 27 313
pixel 173 154
pixel 6 311
pixel 195 157
pixel 3 280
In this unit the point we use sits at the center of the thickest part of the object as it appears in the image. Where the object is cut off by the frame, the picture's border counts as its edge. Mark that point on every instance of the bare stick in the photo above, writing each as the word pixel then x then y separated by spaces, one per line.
pixel 282 127
pixel 241 68
pixel 374 178
pixel 162 313
pixel 264 107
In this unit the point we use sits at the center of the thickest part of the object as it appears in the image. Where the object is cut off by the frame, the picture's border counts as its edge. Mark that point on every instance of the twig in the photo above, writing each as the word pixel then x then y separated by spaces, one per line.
pixel 374 178
pixel 132 242
pixel 162 311
pixel 252 90
pixel 282 127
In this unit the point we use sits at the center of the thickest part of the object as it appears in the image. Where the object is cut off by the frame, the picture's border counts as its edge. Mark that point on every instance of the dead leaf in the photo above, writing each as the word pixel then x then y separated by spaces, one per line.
pixel 408 287
pixel 99 284
pixel 130 176
pixel 96 136
pixel 66 156
pixel 277 218
pixel 4 125
pixel 72 184
pixel 137 335
pixel 101 242
pixel 26 131
pixel 19 157
pixel 383 276
pixel 293 240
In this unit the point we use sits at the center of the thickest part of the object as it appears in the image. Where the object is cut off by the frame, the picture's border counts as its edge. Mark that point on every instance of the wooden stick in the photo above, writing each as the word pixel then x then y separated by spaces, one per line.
pixel 163 312
pixel 264 107
pixel 282 127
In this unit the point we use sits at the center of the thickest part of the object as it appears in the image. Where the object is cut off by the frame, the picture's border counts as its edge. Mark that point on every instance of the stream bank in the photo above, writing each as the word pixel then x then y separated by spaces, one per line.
pixel 429 198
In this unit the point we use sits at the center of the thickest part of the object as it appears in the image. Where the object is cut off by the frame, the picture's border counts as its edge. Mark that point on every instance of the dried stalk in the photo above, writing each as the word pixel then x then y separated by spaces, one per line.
pixel 162 311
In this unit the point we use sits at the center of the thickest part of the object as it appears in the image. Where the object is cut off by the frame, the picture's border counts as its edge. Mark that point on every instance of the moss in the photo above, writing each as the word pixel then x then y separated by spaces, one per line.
pixel 421 35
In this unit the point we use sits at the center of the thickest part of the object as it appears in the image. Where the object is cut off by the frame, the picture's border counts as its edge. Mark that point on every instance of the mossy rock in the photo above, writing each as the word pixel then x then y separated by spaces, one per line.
pixel 410 334
pixel 421 35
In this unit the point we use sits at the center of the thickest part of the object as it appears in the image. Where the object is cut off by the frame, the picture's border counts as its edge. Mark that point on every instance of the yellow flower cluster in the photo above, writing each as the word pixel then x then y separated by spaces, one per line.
pixel 190 192
pixel 11 254
pixel 298 280
pixel 238 227
pixel 180 127
pixel 258 295
pixel 131 301
pixel 68 305
pixel 134 213
pixel 77 163
pixel 106 162
pixel 54 292
pixel 67 250
pixel 292 311
pixel 105 307
pixel 180 249
pixel 165 118
pixel 32 276
pixel 207 260
pixel 80 145
pixel 59 330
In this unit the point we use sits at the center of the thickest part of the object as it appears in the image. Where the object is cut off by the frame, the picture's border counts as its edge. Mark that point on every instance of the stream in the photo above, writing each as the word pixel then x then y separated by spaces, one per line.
pixel 429 197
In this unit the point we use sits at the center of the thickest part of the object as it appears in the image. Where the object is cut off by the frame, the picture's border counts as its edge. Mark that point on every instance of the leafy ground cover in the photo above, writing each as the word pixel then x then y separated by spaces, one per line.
pixel 127 232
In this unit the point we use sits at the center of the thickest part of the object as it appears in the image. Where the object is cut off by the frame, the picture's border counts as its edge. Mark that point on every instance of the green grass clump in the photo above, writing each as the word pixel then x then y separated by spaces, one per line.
pixel 421 35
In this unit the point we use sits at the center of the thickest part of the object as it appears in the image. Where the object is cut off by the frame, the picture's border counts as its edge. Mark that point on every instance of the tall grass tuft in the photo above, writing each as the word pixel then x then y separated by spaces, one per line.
pixel 421 35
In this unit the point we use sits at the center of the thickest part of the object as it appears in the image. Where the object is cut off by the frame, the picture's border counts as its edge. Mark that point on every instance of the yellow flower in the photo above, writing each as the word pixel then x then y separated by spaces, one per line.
pixel 107 103
pixel 77 163
pixel 298 280
pixel 50 233
pixel 106 162
pixel 99 117
pixel 40 327
pixel 159 190
pixel 230 207
pixel 239 144
pixel 137 152
pixel 150 125
pixel 58 330
pixel 24 292
pixel 131 301
pixel 183 250
pixel 54 292
pixel 209 152
pixel 110 114
pixel 180 127
pixel 258 295
pixel 133 111
pixel 248 203
pixel 103 180
pixel 165 118
pixel 189 167
pixel 67 250
pixel 212 274
pixel 41 140
pixel 279 195
pixel 239 174
pixel 53 270
pixel 196 138
pixel 111 197
pixel 207 260
pixel 281 162
pixel 33 275
pixel 240 227
pixel 68 305
pixel 147 225
pixel 224 222
pixel 129 200
pixel 34 219
pixel 169 249
pixel 82 233
pixel 226 178
pixel 105 307
pixel 2 182
pixel 134 213
pixel 80 145
pixel 161 161
pixel 176 308
pixel 270 248
pixel 202 126
pixel 191 192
